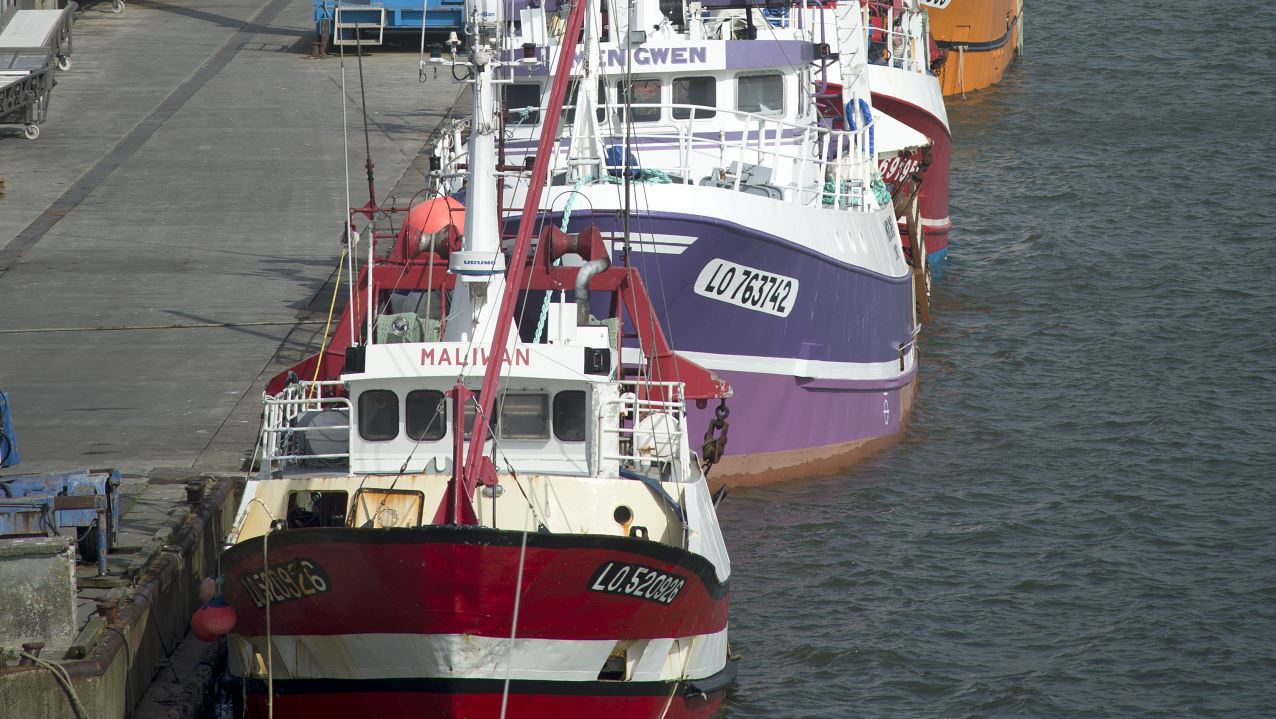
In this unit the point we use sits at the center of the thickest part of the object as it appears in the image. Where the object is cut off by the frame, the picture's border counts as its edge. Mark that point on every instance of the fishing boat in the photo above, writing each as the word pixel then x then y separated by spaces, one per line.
pixel 980 38
pixel 903 60
pixel 454 522
pixel 699 146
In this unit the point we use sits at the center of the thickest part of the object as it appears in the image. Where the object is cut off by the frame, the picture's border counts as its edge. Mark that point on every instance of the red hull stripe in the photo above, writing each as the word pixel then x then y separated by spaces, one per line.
pixel 460 580
pixel 394 705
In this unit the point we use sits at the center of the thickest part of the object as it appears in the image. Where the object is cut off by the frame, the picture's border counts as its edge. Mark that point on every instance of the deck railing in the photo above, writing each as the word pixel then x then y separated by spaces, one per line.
pixel 280 437
pixel 650 428
pixel 809 164
pixel 905 37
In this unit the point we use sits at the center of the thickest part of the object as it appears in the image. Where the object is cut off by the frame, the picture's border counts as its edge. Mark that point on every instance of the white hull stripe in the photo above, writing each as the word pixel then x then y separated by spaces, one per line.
pixel 946 223
pixel 658 244
pixel 815 369
pixel 468 656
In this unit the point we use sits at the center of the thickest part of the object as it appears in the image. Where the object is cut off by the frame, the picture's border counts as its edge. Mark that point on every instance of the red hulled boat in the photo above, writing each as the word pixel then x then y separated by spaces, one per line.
pixel 451 521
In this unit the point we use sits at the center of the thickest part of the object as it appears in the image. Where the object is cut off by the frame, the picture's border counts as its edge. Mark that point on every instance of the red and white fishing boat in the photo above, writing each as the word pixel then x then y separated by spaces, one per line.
pixel 456 522
pixel 902 63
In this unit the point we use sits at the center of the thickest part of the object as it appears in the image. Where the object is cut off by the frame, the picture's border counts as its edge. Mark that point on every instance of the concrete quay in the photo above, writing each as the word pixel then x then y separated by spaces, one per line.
pixel 166 244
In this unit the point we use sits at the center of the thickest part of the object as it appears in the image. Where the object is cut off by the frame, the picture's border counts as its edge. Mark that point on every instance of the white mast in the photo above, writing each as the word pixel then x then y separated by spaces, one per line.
pixel 480 264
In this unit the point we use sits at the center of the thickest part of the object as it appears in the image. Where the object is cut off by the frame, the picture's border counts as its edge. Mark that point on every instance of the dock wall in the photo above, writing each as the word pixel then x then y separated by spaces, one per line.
pixel 136 628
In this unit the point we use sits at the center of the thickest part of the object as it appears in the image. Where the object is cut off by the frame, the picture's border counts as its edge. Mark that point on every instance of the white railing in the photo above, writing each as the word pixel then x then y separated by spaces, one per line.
pixel 809 164
pixel 905 43
pixel 649 431
pixel 280 435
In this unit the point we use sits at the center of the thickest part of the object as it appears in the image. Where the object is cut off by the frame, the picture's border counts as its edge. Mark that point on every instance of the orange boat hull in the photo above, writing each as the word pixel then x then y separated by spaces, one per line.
pixel 982 38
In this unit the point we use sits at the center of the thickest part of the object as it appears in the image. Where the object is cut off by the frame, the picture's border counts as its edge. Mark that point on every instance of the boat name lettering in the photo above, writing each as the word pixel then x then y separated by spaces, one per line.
pixel 684 55
pixel 649 56
pixel 457 356
pixel 747 287
pixel 635 580
pixel 294 579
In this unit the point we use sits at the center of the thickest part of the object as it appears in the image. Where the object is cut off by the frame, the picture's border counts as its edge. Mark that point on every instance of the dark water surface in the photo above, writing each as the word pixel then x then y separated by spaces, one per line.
pixel 1081 521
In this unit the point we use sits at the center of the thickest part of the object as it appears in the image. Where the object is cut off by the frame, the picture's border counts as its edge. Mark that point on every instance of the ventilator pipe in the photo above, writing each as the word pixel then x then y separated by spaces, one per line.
pixel 590 247
pixel 586 272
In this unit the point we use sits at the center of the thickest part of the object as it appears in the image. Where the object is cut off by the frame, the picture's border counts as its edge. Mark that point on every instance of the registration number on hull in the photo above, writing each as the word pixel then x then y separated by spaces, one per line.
pixel 637 581
pixel 747 287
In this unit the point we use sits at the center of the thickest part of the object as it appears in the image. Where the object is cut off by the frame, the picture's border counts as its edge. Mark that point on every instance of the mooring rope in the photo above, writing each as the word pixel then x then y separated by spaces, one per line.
pixel 518 594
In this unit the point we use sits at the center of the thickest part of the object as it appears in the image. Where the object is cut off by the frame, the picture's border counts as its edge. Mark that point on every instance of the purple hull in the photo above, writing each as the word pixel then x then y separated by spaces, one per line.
pixel 847 328
pixel 783 428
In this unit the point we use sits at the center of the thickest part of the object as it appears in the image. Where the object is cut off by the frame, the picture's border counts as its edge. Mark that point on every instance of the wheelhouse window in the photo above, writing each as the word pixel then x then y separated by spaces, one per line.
pixel 525 416
pixel 702 91
pixel 762 94
pixel 640 92
pixel 425 414
pixel 573 92
pixel 378 415
pixel 520 96
pixel 569 416
pixel 471 408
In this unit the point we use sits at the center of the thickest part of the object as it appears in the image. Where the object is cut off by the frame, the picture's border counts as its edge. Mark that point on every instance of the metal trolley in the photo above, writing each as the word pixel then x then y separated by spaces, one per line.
pixel 26 81
pixel 34 45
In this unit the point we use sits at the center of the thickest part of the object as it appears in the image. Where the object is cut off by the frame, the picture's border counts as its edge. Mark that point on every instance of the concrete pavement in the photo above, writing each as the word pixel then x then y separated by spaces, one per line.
pixel 190 174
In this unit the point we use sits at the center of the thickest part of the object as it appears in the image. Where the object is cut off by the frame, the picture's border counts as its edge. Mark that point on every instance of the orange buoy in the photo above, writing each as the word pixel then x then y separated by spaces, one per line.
pixel 213 620
pixel 433 222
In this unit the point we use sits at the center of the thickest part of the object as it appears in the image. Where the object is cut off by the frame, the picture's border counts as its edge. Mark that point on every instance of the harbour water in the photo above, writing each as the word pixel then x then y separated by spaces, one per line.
pixel 1080 520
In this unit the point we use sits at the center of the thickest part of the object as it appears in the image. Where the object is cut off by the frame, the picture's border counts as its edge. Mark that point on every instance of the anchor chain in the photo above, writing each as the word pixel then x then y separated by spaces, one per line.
pixel 715 438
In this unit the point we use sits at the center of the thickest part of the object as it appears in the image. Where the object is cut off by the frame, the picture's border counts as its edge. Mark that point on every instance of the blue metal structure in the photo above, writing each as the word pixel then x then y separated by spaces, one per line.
pixel 8 440
pixel 439 15
pixel 42 504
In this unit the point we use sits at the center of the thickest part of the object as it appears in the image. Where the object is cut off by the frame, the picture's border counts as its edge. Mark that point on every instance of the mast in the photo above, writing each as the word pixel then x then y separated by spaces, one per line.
pixel 482 160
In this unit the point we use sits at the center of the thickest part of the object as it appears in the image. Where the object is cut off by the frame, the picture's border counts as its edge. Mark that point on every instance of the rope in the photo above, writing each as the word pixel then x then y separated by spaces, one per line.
pixel 64 679
pixel 518 594
pixel 265 566
pixel 270 654
pixel 567 216
pixel 323 347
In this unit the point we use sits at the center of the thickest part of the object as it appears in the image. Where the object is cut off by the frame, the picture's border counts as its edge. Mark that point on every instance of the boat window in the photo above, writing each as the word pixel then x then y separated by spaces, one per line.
pixel 641 92
pixel 471 407
pixel 381 508
pixel 378 415
pixel 569 415
pixel 573 92
pixel 525 416
pixel 700 91
pixel 520 96
pixel 425 414
pixel 316 508
pixel 763 94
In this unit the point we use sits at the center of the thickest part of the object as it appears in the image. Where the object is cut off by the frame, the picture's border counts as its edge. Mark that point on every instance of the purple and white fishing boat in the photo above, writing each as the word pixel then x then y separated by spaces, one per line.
pixel 699 148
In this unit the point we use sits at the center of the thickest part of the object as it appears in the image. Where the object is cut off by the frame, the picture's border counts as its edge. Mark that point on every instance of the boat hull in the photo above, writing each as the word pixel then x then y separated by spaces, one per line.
pixel 418 622
pixel 430 700
pixel 981 37
pixel 815 390
pixel 915 100
pixel 809 427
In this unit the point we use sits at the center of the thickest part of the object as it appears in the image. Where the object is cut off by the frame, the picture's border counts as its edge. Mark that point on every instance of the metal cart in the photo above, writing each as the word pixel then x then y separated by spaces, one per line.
pixel 26 82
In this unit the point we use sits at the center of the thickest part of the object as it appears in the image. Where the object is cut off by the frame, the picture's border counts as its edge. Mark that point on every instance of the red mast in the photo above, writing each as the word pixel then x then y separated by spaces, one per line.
pixel 477 468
